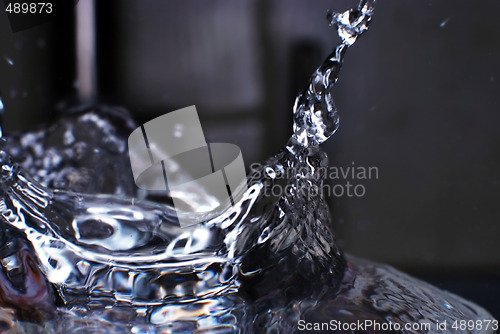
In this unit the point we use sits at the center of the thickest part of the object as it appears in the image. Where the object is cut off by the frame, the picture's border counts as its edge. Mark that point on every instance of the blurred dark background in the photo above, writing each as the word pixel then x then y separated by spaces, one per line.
pixel 418 97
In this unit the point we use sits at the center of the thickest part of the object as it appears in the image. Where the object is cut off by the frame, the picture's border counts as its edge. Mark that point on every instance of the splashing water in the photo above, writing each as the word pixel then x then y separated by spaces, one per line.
pixel 91 256
pixel 315 115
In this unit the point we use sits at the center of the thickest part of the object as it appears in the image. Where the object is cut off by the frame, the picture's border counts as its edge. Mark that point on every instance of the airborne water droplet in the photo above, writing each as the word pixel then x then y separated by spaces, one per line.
pixel 9 61
pixel 445 22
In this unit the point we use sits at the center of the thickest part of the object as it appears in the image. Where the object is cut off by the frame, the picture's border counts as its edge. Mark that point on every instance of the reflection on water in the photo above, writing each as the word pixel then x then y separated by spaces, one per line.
pixel 82 252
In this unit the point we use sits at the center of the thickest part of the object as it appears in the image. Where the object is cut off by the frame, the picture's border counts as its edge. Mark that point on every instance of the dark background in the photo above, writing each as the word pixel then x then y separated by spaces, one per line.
pixel 418 97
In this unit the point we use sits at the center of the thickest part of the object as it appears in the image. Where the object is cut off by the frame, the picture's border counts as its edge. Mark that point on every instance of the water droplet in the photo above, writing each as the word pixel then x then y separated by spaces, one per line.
pixel 445 22
pixel 9 61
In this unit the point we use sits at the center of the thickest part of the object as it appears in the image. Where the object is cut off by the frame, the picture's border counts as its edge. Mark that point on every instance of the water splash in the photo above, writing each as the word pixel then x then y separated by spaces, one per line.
pixel 91 256
pixel 315 116
pixel 100 250
pixel 84 151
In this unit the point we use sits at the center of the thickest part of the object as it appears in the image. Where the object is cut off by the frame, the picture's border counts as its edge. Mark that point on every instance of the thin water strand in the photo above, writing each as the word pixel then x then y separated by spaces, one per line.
pixel 315 116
